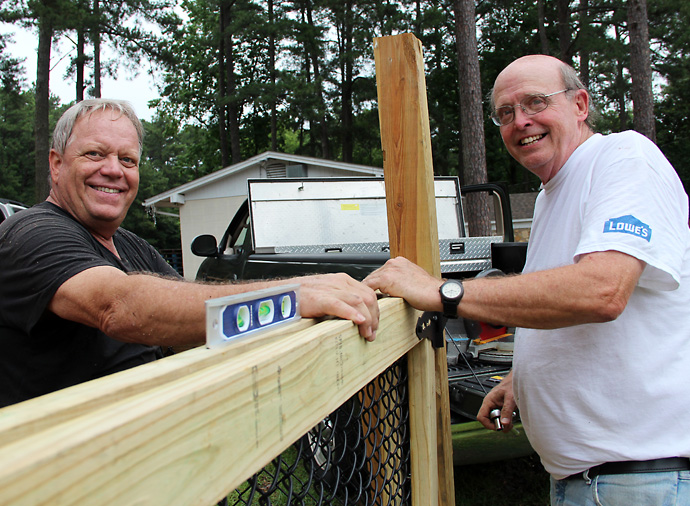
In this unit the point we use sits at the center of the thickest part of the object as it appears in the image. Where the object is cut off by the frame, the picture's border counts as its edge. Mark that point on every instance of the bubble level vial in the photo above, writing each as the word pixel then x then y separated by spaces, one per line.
pixel 248 314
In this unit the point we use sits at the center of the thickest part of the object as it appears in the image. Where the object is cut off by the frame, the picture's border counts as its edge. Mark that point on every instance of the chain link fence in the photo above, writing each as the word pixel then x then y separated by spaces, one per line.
pixel 358 455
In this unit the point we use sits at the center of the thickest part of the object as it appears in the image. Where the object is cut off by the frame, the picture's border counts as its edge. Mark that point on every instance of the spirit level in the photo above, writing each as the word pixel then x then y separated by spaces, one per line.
pixel 248 314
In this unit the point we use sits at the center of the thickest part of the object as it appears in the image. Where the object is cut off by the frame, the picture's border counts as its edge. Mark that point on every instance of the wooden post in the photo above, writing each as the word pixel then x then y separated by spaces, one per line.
pixel 410 196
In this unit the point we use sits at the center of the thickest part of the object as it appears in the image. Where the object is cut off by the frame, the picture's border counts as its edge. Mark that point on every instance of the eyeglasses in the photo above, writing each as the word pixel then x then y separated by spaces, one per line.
pixel 531 104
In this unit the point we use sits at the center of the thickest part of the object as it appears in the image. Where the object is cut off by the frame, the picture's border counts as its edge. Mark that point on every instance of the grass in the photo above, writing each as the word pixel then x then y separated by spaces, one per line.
pixel 516 482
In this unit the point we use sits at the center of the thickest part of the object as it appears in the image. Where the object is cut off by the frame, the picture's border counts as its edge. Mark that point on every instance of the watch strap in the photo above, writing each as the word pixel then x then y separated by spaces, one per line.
pixel 450 309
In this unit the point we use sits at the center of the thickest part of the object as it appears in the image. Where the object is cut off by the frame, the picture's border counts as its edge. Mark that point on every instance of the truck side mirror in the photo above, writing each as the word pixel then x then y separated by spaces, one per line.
pixel 205 246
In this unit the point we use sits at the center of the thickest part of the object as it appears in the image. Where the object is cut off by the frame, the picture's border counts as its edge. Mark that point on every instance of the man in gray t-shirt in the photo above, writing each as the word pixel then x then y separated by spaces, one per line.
pixel 82 298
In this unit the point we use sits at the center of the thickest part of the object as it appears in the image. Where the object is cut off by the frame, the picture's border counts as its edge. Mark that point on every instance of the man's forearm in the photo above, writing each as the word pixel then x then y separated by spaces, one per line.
pixel 594 290
pixel 141 308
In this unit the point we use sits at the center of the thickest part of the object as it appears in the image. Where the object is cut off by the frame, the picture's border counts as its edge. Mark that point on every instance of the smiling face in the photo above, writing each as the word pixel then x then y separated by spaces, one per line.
pixel 97 177
pixel 542 142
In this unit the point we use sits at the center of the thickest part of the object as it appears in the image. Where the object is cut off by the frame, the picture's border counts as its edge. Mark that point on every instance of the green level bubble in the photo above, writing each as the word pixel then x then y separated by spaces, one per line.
pixel 286 306
pixel 265 312
pixel 243 318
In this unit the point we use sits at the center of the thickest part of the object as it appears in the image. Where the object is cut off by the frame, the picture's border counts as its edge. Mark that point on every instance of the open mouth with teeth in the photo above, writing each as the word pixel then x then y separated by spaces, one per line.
pixel 106 190
pixel 531 140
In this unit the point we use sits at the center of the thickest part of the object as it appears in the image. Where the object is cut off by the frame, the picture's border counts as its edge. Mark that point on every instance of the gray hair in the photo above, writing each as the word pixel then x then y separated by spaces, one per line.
pixel 573 82
pixel 65 125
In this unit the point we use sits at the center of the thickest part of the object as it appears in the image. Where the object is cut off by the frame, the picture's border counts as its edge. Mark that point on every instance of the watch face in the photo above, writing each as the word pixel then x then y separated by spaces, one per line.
pixel 452 290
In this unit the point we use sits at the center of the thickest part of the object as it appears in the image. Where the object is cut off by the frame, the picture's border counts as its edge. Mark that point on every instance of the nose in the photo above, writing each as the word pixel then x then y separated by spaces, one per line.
pixel 521 119
pixel 111 166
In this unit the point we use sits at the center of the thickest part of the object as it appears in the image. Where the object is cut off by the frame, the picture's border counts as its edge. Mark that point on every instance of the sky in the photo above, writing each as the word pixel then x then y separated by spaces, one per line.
pixel 138 90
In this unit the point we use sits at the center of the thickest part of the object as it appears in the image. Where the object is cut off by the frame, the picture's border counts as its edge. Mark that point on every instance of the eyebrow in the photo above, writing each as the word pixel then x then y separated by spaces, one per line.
pixel 531 94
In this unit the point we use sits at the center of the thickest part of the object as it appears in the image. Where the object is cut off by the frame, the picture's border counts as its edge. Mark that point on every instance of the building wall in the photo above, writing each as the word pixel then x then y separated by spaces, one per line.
pixel 522 229
pixel 522 205
pixel 204 216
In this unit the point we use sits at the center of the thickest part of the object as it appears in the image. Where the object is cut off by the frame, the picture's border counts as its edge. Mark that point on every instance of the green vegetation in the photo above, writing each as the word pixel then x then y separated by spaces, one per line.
pixel 241 77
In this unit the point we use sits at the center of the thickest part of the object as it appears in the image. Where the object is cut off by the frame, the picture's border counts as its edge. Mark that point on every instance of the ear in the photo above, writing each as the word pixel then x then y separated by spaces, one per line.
pixel 581 101
pixel 55 164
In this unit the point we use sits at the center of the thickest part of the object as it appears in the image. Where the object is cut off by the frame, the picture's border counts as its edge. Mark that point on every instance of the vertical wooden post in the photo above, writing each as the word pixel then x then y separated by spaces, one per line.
pixel 413 232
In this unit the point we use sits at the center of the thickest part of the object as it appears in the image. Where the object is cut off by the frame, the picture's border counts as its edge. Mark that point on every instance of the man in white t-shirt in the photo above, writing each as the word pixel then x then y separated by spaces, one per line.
pixel 602 351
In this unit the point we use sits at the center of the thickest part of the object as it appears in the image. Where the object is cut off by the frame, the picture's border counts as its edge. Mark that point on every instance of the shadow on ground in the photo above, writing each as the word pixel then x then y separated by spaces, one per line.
pixel 516 482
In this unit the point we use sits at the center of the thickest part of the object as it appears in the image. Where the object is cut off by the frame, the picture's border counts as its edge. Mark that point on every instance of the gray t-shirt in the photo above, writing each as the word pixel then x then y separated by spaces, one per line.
pixel 41 248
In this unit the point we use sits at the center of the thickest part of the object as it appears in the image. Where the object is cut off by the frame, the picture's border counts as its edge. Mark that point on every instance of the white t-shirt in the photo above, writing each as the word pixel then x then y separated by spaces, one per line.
pixel 612 391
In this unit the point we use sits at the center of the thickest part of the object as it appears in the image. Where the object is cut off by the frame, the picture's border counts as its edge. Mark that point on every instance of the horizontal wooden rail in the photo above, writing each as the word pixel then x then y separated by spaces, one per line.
pixel 190 428
pixel 49 410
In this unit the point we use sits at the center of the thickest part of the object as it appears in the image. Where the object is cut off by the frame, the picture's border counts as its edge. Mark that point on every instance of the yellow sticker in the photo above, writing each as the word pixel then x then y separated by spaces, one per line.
pixel 349 207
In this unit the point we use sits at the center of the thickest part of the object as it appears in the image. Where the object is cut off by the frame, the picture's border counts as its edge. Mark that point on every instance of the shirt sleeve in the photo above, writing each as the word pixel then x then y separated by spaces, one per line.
pixel 38 253
pixel 638 207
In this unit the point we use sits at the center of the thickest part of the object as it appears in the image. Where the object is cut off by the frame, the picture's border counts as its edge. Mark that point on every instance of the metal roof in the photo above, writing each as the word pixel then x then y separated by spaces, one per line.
pixel 263 157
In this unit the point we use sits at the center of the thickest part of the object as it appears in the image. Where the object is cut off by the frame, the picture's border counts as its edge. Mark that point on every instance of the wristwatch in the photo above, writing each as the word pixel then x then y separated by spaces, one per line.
pixel 451 293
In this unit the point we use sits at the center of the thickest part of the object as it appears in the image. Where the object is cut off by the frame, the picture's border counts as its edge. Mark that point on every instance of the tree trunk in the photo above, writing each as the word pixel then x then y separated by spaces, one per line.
pixel 346 85
pixel 418 18
pixel 471 117
pixel 220 105
pixel 543 40
pixel 564 33
pixel 620 99
pixel 272 73
pixel 230 96
pixel 584 52
pixel 96 39
pixel 42 139
pixel 313 55
pixel 620 85
pixel 80 61
pixel 640 69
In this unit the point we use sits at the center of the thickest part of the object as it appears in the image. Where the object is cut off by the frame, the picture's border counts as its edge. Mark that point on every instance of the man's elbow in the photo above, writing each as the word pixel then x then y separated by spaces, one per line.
pixel 611 277
pixel 610 307
pixel 117 324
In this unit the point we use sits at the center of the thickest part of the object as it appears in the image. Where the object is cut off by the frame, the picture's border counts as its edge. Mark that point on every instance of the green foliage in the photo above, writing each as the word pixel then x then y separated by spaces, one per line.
pixel 161 231
pixel 319 90
pixel 508 31
pixel 672 60
pixel 16 132
pixel 173 155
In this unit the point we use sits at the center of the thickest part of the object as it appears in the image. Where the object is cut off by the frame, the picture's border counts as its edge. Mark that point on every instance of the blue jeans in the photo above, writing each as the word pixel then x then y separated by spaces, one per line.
pixel 639 489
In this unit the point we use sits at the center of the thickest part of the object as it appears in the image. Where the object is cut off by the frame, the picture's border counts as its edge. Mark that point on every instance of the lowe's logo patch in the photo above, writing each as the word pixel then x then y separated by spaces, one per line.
pixel 629 225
